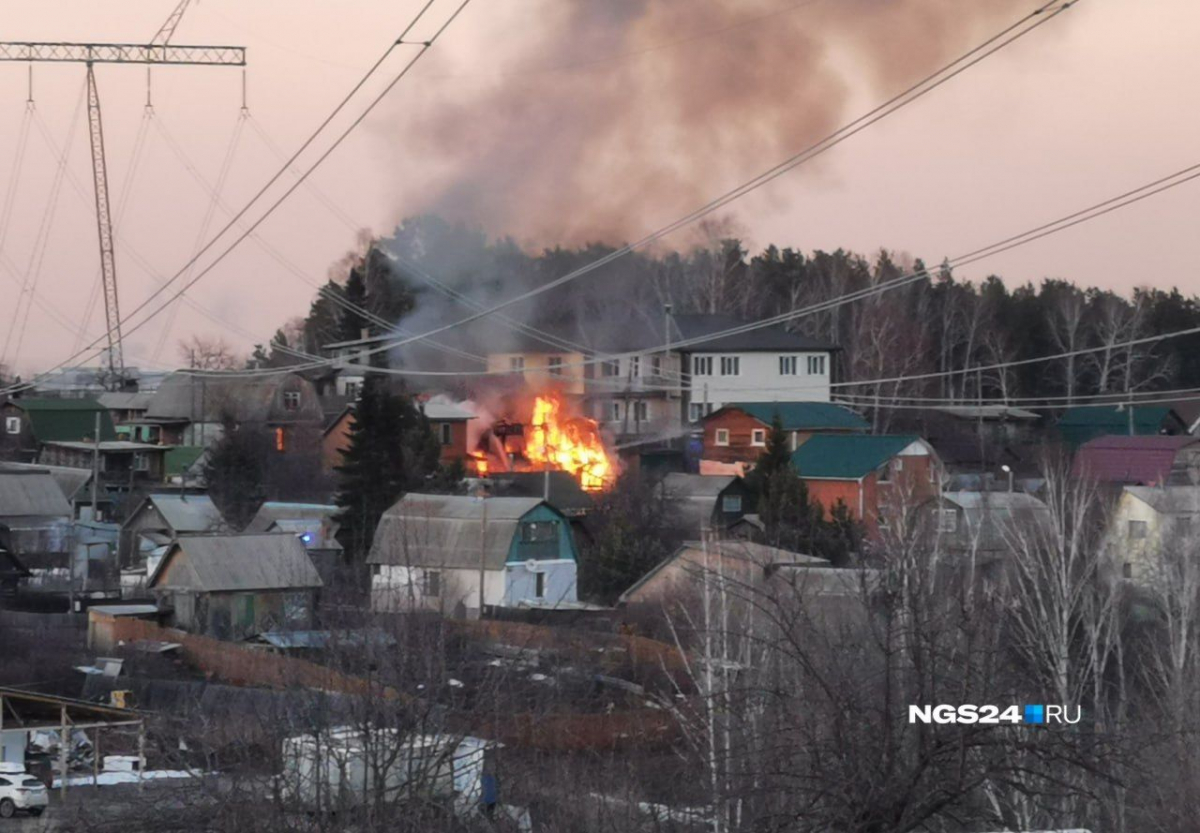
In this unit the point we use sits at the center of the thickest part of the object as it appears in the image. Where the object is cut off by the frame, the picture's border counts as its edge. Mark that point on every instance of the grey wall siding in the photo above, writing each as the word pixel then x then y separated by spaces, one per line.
pixel 520 584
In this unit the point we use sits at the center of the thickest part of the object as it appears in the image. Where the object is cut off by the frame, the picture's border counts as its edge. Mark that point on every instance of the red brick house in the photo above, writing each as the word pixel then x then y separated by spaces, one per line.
pixel 737 433
pixel 878 478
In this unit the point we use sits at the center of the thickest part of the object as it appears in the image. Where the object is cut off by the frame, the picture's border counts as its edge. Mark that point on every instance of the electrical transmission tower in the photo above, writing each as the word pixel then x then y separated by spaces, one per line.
pixel 158 52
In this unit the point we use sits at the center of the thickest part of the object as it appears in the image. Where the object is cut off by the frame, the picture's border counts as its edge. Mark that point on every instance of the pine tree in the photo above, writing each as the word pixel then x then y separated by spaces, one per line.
pixel 235 471
pixel 392 450
pixel 350 322
pixel 791 521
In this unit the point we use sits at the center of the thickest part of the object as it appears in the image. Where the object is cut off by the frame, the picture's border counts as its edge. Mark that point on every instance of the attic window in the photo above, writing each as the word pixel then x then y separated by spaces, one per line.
pixel 722 436
pixel 291 400
pixel 731 504
pixel 537 532
pixel 758 436
pixel 1137 530
pixel 12 425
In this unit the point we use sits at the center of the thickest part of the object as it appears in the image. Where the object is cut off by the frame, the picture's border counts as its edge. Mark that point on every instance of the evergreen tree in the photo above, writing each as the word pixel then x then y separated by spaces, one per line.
pixel 235 471
pixel 350 322
pixel 392 450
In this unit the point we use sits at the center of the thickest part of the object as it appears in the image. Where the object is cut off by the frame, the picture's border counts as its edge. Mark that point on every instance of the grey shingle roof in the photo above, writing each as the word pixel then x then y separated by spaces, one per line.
pixel 224 563
pixel 448 531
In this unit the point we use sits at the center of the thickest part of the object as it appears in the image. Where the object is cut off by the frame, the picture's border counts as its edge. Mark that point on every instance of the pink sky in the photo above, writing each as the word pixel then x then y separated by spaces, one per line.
pixel 1100 101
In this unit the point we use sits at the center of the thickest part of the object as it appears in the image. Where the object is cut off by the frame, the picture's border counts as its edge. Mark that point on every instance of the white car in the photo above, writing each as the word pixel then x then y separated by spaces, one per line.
pixel 21 791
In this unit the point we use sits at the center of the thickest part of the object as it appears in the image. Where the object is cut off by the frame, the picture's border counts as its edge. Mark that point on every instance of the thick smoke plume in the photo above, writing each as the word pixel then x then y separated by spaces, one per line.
pixel 612 116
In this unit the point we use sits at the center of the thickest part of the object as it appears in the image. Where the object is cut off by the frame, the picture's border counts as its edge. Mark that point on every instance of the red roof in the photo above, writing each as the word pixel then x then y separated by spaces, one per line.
pixel 1131 460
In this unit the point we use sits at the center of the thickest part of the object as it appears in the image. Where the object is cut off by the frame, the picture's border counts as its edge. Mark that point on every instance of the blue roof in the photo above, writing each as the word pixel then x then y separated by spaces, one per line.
pixel 804 416
pixel 847 456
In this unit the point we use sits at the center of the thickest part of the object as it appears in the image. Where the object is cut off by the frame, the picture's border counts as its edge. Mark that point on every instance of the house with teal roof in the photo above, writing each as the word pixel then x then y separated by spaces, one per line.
pixel 879 478
pixel 737 433
pixel 1080 424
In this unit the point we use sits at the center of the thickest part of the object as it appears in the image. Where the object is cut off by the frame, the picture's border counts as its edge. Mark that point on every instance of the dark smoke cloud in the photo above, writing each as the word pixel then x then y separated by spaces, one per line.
pixel 623 114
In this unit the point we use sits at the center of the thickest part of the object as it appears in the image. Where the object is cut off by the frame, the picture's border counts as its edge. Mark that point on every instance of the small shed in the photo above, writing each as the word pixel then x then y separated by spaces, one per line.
pixel 436 551
pixel 983 525
pixel 233 586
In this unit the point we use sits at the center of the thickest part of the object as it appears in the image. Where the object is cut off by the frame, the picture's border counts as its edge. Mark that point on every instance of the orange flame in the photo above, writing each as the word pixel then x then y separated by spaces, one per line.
pixel 569 443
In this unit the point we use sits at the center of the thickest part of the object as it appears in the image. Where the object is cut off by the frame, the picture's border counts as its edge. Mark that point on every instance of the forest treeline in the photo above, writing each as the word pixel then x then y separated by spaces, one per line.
pixel 938 323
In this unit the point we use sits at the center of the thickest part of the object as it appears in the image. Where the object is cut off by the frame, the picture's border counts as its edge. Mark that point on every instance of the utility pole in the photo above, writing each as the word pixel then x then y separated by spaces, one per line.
pixel 157 52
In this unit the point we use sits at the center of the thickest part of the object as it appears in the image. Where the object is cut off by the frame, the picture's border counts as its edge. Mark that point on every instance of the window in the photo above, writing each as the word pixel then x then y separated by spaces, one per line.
pixel 731 504
pixel 615 411
pixel 816 365
pixel 539 585
pixel 656 365
pixel 516 364
pixel 555 364
pixel 731 365
pixel 881 518
pixel 758 436
pixel 788 365
pixel 352 390
pixel 280 439
pixel 376 569
pixel 635 367
pixel 432 586
pixel 698 410
pixel 537 532
pixel 141 461
pixel 702 366
pixel 12 425
pixel 885 473
pixel 610 367
pixel 1137 530
pixel 947 520
pixel 445 431
pixel 291 400
pixel 722 436
pixel 641 411
pixel 1127 570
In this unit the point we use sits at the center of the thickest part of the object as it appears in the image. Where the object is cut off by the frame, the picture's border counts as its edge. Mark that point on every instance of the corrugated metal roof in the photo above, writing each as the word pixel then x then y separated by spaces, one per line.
pixel 121 401
pixel 847 456
pixel 64 420
pixel 1169 500
pixel 188 513
pixel 273 511
pixel 225 563
pixel 449 531
pixel 802 416
pixel 31 493
pixel 682 485
pixel 446 412
pixel 70 480
pixel 1079 425
pixel 1133 460
pixel 762 338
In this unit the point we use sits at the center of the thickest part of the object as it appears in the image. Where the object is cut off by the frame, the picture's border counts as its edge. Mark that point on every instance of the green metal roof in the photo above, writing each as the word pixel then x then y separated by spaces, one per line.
pixel 66 420
pixel 1078 425
pixel 847 456
pixel 179 459
pixel 800 416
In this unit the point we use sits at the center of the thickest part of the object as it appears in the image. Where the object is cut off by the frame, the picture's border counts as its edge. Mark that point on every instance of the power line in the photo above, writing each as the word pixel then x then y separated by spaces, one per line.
pixel 425 46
